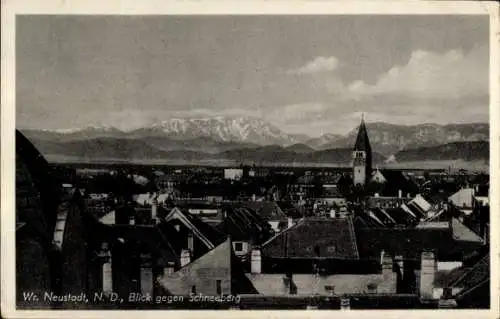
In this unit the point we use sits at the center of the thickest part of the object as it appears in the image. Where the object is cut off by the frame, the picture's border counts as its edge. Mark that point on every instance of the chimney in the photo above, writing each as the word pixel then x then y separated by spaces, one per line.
pixel 290 222
pixel 486 234
pixel 400 262
pixel 427 274
pixel 132 220
pixel 332 213
pixel 154 210
pixel 256 261
pixel 191 242
pixel 345 304
pixel 146 274
pixel 185 257
pixel 400 194
pixel 386 263
pixel 169 270
pixel 107 270
pixel 287 284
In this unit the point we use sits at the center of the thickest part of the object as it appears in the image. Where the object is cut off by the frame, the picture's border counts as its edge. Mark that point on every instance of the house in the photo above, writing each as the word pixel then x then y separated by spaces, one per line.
pixel 392 183
pixel 271 212
pixel 245 227
pixel 234 174
pixel 130 257
pixel 289 284
pixel 449 242
pixel 193 235
pixel 463 199
pixel 463 286
pixel 215 273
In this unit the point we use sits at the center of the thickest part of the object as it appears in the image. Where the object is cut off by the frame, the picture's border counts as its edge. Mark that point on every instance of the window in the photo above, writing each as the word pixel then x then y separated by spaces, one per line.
pixel 193 289
pixel 219 286
pixel 238 247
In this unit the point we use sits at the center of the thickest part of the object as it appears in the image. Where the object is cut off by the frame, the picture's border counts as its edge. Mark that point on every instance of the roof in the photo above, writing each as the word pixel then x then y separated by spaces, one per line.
pixel 109 218
pixel 463 198
pixel 34 181
pixel 242 223
pixel 464 233
pixel 421 203
pixel 206 233
pixel 444 278
pixel 474 275
pixel 362 142
pixel 400 215
pixel 315 237
pixel 411 242
pixel 310 284
pixel 216 260
pixel 395 181
pixel 268 210
pixel 477 297
pixel 289 209
pixel 149 237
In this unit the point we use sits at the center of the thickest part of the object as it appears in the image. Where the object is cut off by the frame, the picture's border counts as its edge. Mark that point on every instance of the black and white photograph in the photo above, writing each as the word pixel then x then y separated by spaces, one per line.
pixel 251 162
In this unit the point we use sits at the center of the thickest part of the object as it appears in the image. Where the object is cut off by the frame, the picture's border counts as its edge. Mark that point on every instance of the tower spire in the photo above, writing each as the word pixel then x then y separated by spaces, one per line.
pixel 362 116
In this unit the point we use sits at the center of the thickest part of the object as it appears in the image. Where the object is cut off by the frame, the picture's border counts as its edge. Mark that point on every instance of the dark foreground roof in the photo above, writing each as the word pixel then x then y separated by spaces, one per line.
pixel 315 237
pixel 410 242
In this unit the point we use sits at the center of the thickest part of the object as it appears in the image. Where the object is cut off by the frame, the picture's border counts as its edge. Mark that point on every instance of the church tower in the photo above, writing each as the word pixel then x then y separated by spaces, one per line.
pixel 362 156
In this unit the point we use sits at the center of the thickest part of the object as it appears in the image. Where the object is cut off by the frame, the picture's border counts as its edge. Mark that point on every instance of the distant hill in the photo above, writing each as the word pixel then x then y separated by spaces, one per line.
pixel 255 140
pixel 100 148
pixel 468 151
pixel 300 148
pixel 388 139
pixel 111 148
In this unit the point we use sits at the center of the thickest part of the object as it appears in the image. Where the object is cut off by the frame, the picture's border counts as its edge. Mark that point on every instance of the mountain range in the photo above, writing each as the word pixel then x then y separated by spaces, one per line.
pixel 252 139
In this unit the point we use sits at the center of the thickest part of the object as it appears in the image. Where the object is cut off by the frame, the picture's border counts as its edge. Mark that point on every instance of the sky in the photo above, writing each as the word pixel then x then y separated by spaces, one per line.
pixel 305 74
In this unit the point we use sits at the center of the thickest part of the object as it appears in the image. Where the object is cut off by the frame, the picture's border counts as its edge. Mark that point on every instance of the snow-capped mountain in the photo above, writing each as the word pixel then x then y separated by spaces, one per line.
pixel 219 134
pixel 89 128
pixel 225 129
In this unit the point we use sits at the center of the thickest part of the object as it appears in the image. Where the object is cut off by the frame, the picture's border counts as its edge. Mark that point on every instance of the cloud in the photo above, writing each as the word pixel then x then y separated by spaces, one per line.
pixel 317 65
pixel 429 75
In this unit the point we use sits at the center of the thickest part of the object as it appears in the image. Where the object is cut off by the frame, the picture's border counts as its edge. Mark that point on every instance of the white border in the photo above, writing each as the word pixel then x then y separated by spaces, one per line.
pixel 156 7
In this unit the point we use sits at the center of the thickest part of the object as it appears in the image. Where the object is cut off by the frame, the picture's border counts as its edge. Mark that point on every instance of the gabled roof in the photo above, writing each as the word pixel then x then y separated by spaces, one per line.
pixel 35 182
pixel 149 237
pixel 383 216
pixel 362 142
pixel 475 275
pixel 268 210
pixel 464 233
pixel 289 209
pixel 217 259
pixel 401 215
pixel 396 180
pixel 315 237
pixel 206 233
pixel 242 223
